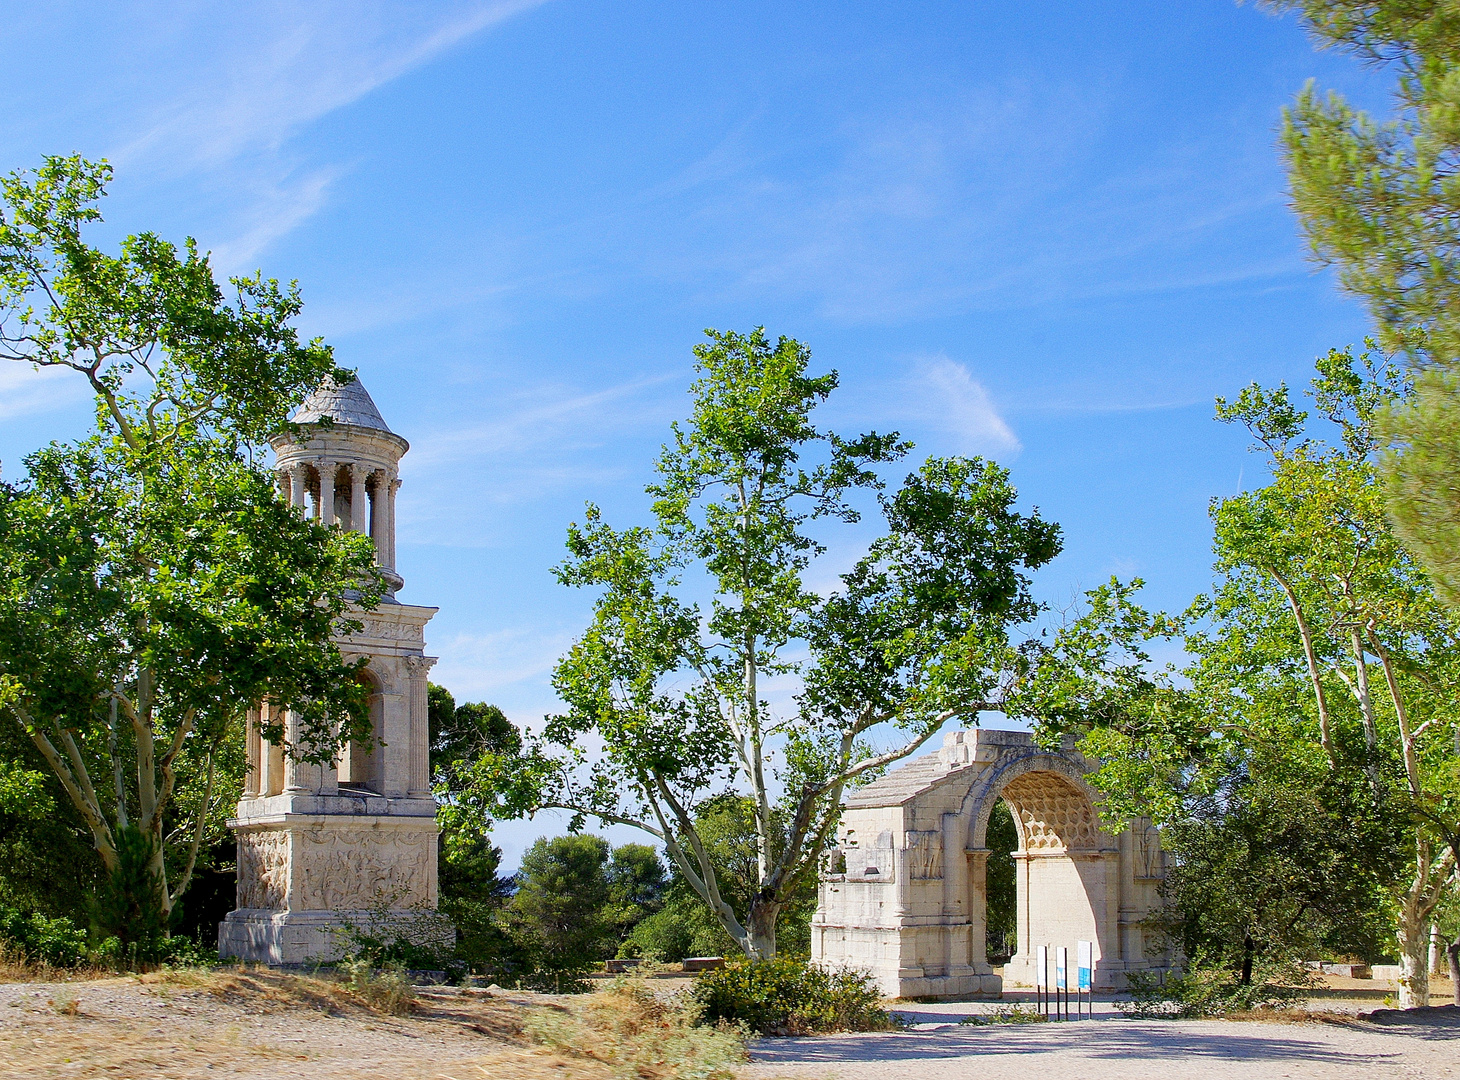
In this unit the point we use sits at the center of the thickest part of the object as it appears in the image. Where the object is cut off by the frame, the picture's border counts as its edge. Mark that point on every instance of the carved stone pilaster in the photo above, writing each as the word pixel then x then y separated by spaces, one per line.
pixel 420 773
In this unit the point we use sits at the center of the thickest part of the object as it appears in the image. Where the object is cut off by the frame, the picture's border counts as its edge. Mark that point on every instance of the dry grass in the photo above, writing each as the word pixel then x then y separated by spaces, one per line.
pixel 16 967
pixel 265 1025
pixel 1293 1016
pixel 630 1033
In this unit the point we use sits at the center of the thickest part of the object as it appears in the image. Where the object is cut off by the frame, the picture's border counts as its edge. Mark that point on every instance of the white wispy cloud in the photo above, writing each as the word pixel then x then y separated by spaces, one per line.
pixel 26 391
pixel 548 414
pixel 479 666
pixel 540 441
pixel 952 400
pixel 250 78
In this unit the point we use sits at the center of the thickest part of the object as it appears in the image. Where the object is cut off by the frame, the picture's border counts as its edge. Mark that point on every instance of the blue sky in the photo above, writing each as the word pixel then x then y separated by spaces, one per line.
pixel 1048 233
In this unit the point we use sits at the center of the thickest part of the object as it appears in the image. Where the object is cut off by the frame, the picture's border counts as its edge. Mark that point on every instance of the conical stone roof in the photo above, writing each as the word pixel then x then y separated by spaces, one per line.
pixel 347 404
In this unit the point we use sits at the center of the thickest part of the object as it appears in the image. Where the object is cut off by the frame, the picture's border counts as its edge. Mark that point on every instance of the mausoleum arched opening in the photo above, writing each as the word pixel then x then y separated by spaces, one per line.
pixel 1001 911
pixel 360 764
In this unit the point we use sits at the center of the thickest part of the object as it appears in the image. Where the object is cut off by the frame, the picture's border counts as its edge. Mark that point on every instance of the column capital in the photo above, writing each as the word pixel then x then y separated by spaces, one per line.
pixel 419 665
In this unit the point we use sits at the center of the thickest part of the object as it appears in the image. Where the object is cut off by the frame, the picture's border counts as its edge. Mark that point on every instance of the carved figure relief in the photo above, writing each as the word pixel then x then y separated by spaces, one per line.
pixel 1150 863
pixel 358 870
pixel 263 870
pixel 924 854
pixel 390 630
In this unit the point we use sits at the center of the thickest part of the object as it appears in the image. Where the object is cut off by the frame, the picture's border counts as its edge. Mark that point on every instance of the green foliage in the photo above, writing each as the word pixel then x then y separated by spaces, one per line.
pixel 1206 991
pixel 687 926
pixel 561 909
pixel 918 631
pixel 1282 863
pixel 1422 477
pixel 684 926
pixel 636 886
pixel 1006 1014
pixel 414 939
pixel 152 583
pixel 47 862
pixel 1302 764
pixel 1379 199
pixel 58 942
pixel 472 893
pixel 385 988
pixel 788 996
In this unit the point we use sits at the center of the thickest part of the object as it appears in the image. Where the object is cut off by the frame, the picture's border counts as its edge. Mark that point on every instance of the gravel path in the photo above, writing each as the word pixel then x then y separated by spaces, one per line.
pixel 1113 1048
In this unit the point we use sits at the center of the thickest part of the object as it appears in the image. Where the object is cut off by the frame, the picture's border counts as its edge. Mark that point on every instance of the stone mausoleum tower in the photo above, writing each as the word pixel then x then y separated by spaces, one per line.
pixel 322 845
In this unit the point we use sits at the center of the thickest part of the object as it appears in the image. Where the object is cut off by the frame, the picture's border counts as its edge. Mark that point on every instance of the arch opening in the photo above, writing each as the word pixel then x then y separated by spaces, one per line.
pixel 361 764
pixel 1059 868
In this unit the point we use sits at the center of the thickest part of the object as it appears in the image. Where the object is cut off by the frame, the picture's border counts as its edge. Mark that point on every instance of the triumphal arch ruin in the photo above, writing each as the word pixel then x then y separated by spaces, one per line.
pixel 903 893
pixel 323 845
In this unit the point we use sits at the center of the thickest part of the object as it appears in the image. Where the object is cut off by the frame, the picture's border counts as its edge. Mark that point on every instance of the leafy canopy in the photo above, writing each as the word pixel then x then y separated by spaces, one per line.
pixel 152 582
pixel 700 612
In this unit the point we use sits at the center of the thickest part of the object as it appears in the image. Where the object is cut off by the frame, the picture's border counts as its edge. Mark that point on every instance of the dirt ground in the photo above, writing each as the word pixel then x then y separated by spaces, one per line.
pixel 260 1025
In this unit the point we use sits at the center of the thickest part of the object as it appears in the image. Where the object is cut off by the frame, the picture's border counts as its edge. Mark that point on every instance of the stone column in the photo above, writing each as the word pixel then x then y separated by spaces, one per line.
pixel 419 783
pixel 297 497
pixel 956 913
pixel 281 477
pixel 390 522
pixel 327 492
pixel 252 748
pixel 377 516
pixel 977 861
pixel 300 776
pixel 360 521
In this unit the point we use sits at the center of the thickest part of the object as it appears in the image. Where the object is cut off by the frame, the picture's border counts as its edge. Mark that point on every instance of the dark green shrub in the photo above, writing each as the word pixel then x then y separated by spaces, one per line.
pixel 128 906
pixel 58 942
pixel 789 996
pixel 1208 991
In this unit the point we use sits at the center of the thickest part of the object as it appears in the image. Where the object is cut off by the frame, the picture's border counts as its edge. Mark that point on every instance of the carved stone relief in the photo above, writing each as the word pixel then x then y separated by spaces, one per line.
pixel 390 630
pixel 263 870
pixel 1053 814
pixel 357 870
pixel 924 854
pixel 1149 861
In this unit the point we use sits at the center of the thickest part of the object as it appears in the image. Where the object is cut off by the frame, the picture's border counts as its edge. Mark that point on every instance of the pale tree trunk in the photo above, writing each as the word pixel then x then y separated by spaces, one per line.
pixel 1452 953
pixel 1414 974
pixel 761 928
pixel 1416 909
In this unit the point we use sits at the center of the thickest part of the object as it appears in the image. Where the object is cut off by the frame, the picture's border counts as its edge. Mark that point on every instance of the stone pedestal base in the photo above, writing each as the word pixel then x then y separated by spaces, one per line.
pixel 303 937
pixel 286 937
pixel 951 986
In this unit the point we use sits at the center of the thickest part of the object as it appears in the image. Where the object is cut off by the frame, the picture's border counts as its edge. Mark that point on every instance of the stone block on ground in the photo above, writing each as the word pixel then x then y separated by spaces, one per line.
pixel 703 963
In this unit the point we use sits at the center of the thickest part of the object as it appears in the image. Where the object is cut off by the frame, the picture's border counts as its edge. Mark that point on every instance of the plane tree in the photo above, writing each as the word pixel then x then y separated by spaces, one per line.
pixel 712 663
pixel 153 584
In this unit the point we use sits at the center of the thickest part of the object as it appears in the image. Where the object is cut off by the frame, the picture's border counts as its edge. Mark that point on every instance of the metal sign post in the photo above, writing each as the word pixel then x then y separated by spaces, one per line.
pixel 1085 978
pixel 1041 978
pixel 1061 983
